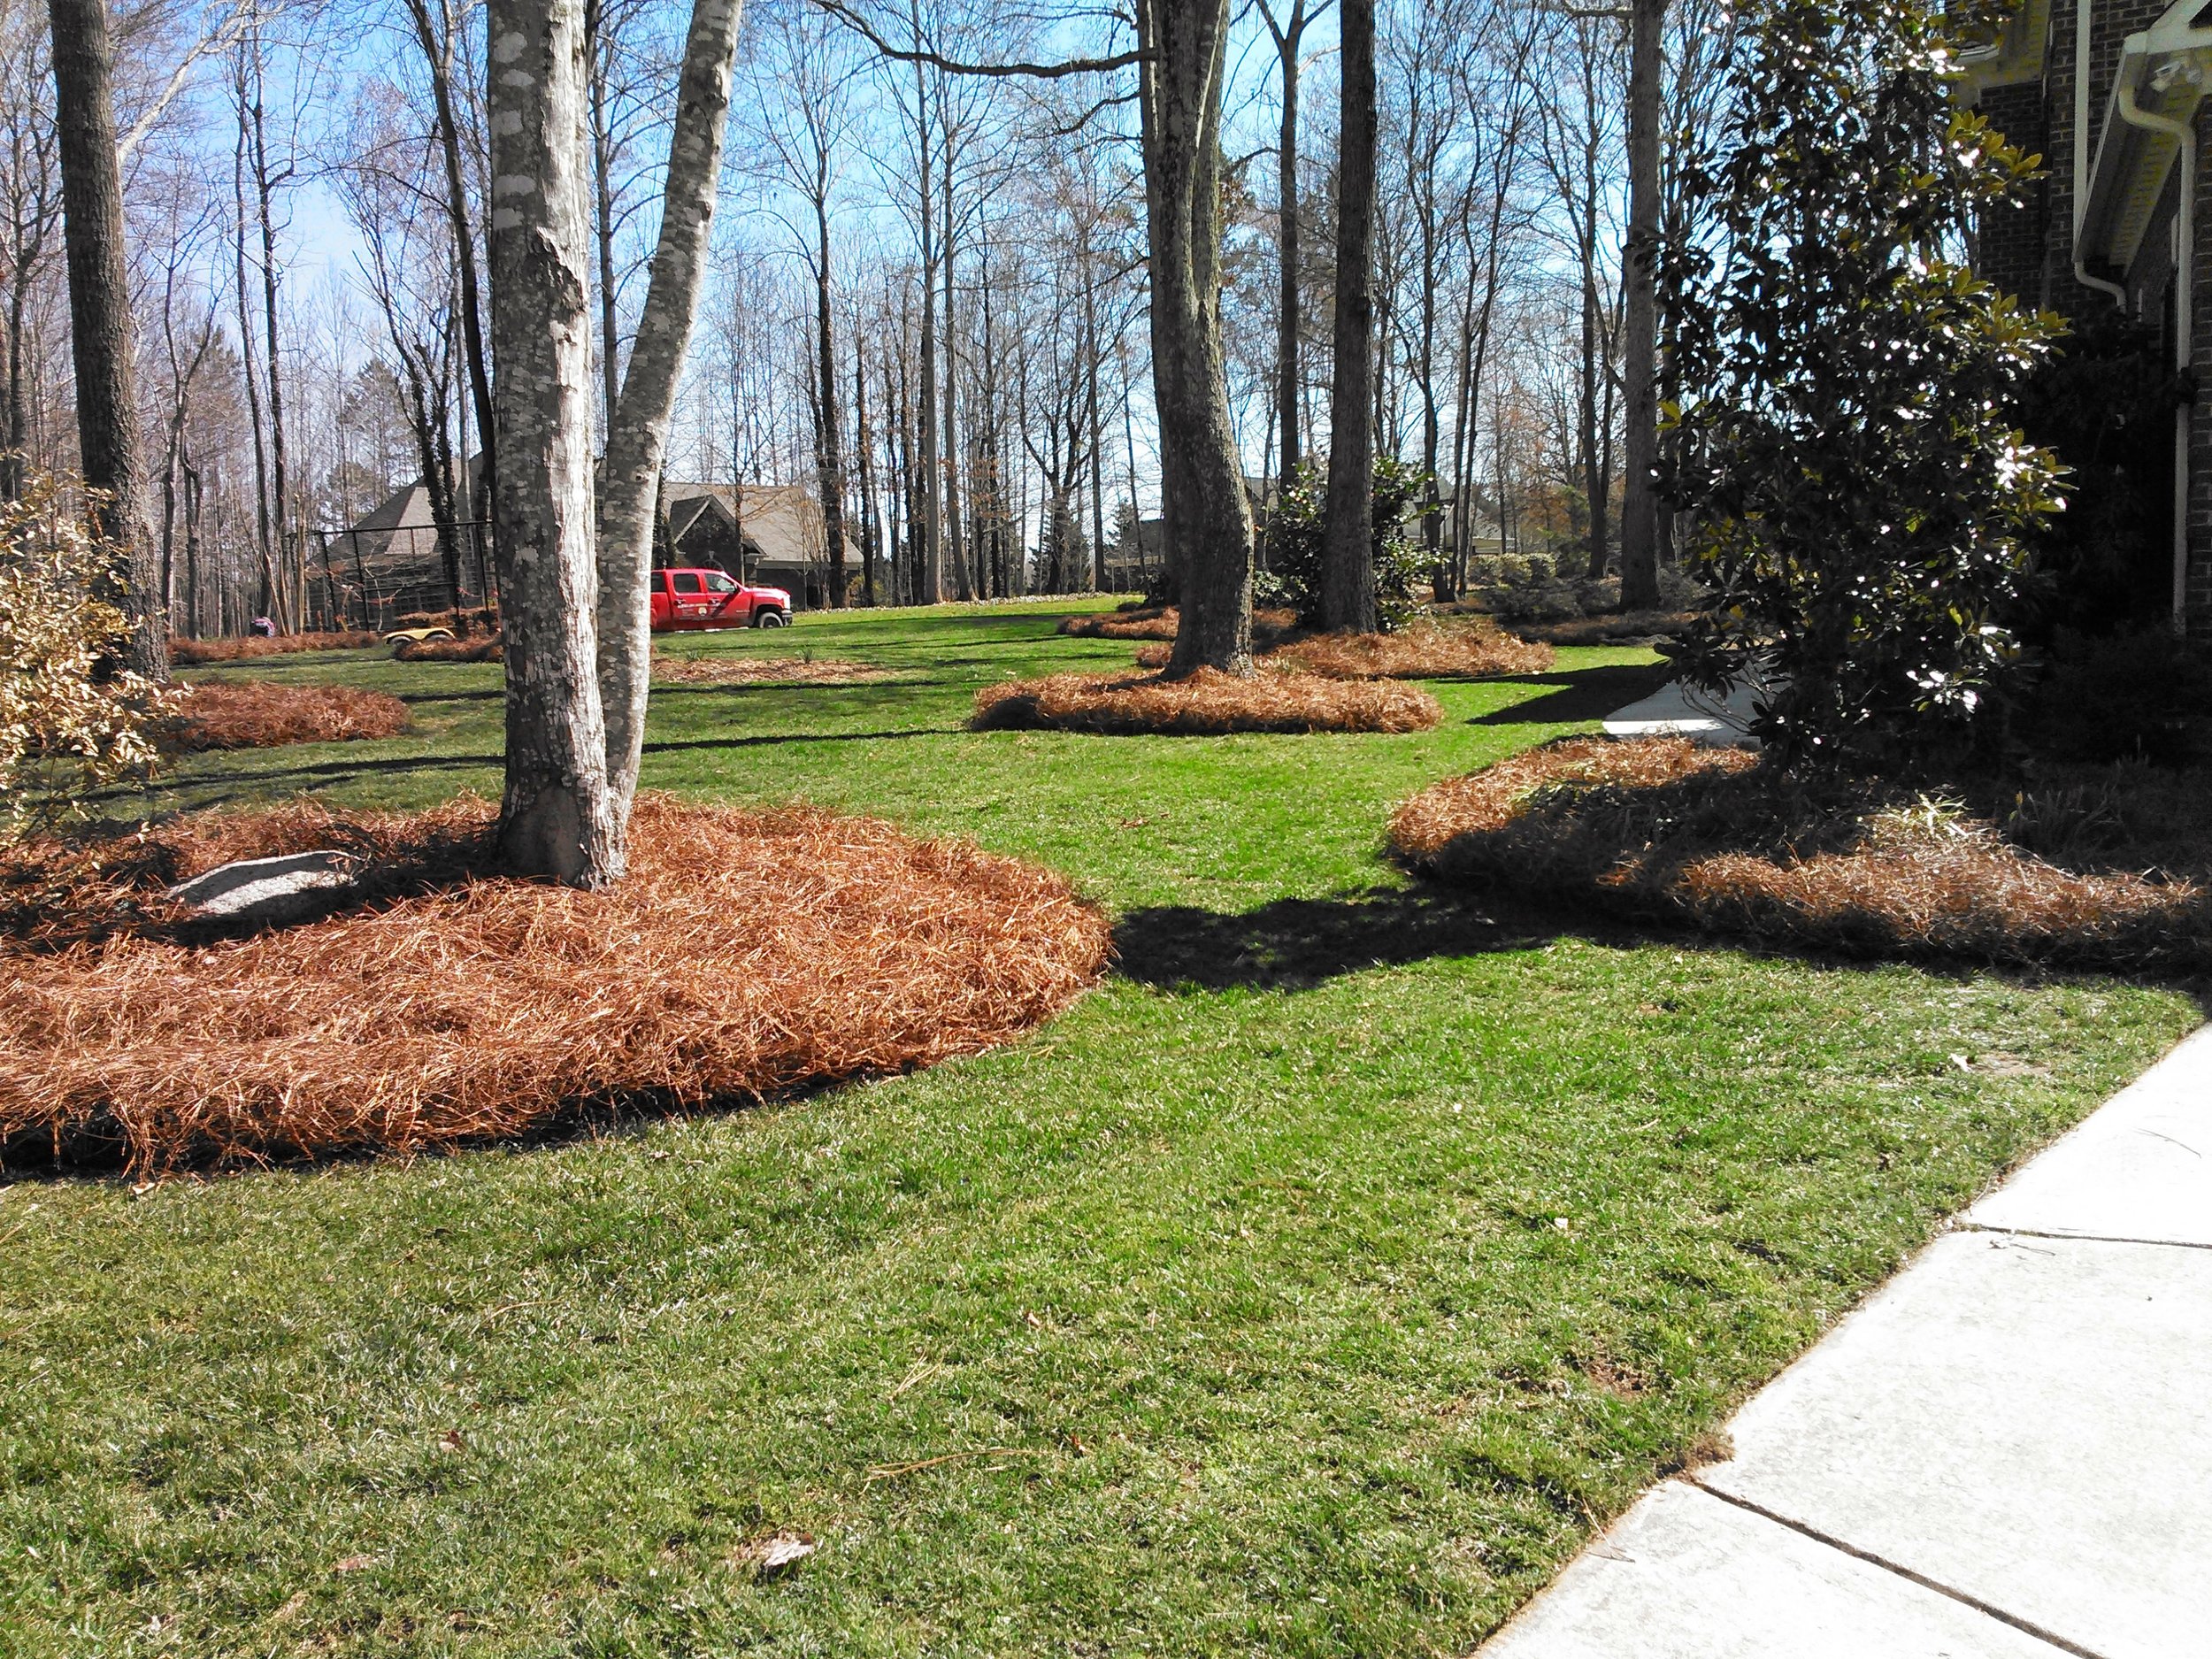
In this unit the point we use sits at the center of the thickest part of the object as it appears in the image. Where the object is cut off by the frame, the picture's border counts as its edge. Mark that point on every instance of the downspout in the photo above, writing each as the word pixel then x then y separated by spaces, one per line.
pixel 2081 155
pixel 2184 136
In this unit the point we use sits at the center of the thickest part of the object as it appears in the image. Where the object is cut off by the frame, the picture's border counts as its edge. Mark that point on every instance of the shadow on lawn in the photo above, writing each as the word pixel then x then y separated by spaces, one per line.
pixel 1582 693
pixel 1294 944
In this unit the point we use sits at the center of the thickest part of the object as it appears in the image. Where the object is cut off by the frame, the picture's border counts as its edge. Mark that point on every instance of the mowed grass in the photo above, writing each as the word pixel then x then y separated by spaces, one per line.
pixel 1312 1289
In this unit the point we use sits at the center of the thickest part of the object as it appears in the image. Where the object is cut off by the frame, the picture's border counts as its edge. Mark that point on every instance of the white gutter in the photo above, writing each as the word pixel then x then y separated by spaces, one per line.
pixel 2081 155
pixel 2184 136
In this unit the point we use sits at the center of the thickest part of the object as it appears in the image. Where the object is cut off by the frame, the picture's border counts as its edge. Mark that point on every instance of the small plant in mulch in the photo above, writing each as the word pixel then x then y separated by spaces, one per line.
pixel 763 670
pixel 256 714
pixel 475 650
pixel 191 653
pixel 2102 868
pixel 745 956
pixel 1424 651
pixel 1207 703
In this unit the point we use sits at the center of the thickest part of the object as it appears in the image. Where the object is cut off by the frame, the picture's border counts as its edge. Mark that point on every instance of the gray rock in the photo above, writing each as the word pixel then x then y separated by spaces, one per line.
pixel 270 892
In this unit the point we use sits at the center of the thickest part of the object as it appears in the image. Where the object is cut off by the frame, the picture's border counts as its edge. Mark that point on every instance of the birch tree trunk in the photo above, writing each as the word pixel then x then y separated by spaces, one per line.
pixel 559 817
pixel 1207 523
pixel 100 315
pixel 1348 560
pixel 637 427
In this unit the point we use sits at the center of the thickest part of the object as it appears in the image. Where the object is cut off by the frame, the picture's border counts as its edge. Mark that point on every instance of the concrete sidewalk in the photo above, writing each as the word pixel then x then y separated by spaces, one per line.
pixel 2005 1454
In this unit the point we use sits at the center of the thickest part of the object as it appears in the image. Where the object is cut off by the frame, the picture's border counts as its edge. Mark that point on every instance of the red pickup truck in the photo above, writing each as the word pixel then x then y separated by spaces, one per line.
pixel 709 599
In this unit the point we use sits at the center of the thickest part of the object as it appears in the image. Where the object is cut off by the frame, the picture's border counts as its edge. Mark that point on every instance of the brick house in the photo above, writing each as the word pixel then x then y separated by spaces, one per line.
pixel 2112 93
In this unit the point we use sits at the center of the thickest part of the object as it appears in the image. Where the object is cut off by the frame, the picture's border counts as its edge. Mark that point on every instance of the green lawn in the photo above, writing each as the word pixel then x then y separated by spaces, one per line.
pixel 1312 1288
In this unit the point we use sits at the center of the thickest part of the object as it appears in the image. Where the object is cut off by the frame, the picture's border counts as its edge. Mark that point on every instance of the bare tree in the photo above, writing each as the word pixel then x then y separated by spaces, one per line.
pixel 1348 567
pixel 100 314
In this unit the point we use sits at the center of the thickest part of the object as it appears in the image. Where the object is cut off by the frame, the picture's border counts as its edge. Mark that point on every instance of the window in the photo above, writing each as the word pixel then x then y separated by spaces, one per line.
pixel 718 583
pixel 685 582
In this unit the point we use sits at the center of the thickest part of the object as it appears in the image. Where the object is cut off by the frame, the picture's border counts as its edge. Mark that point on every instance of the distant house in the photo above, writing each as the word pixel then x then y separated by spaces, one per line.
pixel 770 534
pixel 388 563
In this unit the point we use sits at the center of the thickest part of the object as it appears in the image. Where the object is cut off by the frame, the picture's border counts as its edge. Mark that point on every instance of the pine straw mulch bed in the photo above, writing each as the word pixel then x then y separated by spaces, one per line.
pixel 2104 869
pixel 257 714
pixel 762 670
pixel 475 650
pixel 1207 703
pixel 746 956
pixel 1424 651
pixel 191 653
pixel 1159 622
pixel 1620 627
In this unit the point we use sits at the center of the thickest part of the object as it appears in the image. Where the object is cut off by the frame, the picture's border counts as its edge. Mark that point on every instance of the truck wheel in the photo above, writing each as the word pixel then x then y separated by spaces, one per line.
pixel 768 618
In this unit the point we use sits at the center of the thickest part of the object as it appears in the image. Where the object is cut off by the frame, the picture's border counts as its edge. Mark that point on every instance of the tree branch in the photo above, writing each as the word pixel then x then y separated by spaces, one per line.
pixel 860 26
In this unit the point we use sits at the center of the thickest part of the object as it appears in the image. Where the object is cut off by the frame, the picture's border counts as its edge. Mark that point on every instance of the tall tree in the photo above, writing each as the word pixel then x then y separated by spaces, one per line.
pixel 1640 327
pixel 637 431
pixel 1347 565
pixel 557 816
pixel 1208 521
pixel 1289 37
pixel 100 314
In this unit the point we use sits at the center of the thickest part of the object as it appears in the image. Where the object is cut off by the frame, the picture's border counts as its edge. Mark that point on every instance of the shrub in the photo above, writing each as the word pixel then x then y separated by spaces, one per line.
pixel 1296 534
pixel 188 653
pixel 71 719
pixel 1207 703
pixel 255 714
pixel 1661 830
pixel 1859 499
pixel 450 1006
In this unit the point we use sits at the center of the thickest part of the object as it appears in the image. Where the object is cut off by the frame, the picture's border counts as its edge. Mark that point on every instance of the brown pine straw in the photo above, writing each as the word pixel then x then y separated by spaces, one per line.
pixel 761 671
pixel 1207 703
pixel 1425 651
pixel 1661 830
pixel 189 653
pixel 257 714
pixel 745 956
pixel 1160 622
pixel 469 650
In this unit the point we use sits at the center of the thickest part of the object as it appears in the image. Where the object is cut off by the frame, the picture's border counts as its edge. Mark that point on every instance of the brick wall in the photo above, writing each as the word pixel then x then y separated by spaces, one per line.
pixel 2012 239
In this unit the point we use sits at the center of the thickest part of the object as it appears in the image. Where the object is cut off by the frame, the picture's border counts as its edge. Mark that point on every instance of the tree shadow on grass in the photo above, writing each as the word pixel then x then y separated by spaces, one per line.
pixel 1581 694
pixel 1296 944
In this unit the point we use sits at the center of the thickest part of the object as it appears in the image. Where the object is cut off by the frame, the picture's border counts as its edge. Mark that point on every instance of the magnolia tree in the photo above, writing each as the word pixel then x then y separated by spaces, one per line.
pixel 576 553
pixel 1855 494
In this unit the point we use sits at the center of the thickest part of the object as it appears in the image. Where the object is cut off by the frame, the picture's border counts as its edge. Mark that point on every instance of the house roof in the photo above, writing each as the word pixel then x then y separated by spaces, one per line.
pixel 782 522
pixel 2161 75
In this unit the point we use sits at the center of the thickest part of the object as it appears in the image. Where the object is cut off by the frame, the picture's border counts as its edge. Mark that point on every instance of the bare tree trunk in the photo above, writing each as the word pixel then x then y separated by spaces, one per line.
pixel 1207 523
pixel 100 316
pixel 1640 502
pixel 871 525
pixel 278 492
pixel 603 217
pixel 829 457
pixel 435 37
pixel 637 428
pixel 1347 564
pixel 956 549
pixel 559 817
pixel 1287 38
pixel 932 572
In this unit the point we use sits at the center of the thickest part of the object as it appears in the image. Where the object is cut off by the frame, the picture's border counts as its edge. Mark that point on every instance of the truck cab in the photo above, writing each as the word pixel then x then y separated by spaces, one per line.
pixel 703 597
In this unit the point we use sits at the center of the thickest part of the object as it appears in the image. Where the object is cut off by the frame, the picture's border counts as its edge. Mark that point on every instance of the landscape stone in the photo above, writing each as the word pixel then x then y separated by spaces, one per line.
pixel 270 892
